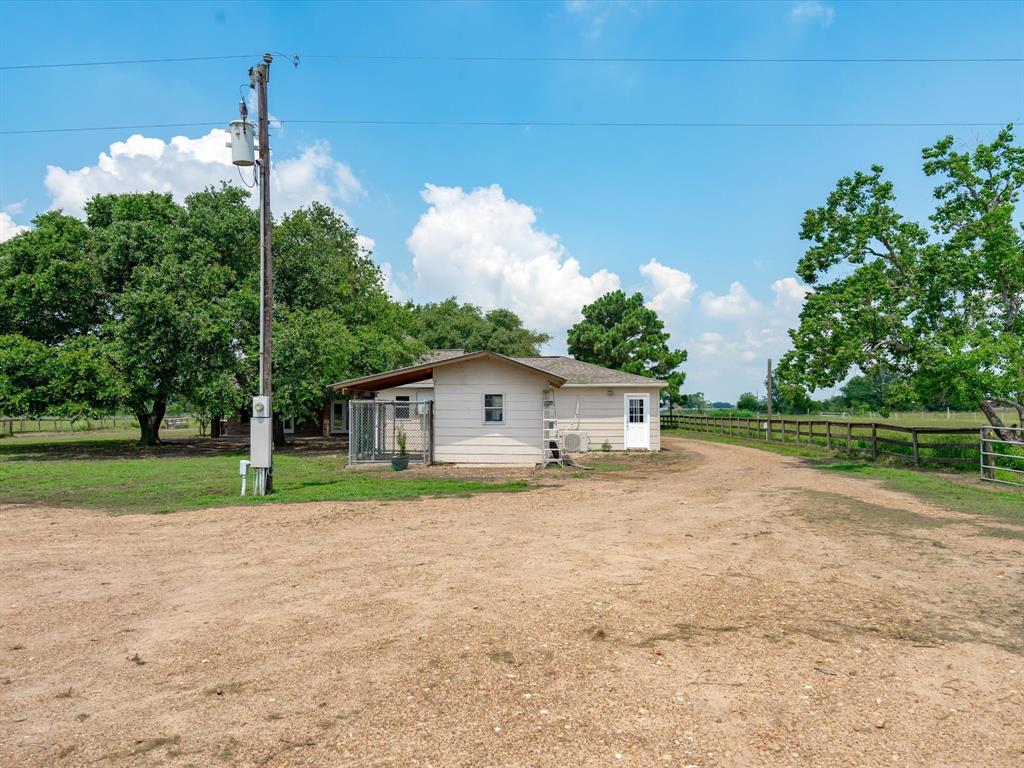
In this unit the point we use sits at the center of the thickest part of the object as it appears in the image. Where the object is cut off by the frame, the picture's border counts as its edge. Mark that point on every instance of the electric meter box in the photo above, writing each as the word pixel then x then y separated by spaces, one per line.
pixel 261 433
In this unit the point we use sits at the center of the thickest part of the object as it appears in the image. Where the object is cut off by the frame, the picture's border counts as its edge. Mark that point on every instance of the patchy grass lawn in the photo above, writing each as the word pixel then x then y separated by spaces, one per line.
pixel 958 492
pixel 110 473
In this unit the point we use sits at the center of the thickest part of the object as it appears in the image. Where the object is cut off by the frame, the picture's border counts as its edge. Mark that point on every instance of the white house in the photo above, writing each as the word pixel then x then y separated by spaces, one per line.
pixel 488 408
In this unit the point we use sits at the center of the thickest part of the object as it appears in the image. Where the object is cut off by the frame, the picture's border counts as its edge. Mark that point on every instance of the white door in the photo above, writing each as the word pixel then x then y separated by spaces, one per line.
pixel 637 413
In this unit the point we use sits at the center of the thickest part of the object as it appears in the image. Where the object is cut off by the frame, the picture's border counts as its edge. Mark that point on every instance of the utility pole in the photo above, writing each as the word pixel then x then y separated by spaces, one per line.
pixel 261 421
pixel 769 387
pixel 266 273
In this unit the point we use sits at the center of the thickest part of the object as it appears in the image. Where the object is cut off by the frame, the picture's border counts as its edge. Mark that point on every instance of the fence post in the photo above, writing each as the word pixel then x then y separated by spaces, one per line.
pixel 917 449
pixel 849 437
pixel 874 440
pixel 828 434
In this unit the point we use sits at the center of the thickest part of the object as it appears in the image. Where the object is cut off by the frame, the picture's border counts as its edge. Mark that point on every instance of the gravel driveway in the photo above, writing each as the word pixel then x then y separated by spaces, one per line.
pixel 709 606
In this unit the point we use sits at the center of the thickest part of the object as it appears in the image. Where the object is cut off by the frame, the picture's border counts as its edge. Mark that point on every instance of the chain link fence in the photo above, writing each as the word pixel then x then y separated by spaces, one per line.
pixel 380 430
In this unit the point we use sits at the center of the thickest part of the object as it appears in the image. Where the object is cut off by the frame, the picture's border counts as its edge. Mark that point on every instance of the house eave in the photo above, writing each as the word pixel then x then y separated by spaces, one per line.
pixel 617 385
pixel 416 373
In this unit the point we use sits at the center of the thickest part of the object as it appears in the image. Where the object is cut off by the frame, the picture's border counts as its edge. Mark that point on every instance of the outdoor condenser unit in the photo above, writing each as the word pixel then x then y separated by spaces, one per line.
pixel 575 442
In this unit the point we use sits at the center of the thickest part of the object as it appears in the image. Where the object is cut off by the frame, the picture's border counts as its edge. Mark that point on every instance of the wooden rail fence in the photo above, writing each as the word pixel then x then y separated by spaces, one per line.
pixel 19 424
pixel 916 445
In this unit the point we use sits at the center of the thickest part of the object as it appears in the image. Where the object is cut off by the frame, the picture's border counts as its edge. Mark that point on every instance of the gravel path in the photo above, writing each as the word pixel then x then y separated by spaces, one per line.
pixel 713 606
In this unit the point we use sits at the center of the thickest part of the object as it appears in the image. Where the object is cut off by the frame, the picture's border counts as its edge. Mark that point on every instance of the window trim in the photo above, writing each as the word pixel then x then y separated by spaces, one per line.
pixel 483 406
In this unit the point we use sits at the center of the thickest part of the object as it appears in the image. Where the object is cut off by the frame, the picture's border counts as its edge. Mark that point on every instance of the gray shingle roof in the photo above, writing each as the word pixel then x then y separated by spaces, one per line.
pixel 578 372
pixel 437 355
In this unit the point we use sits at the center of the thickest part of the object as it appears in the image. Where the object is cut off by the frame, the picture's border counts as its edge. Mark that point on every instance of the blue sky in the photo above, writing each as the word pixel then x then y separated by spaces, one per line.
pixel 704 221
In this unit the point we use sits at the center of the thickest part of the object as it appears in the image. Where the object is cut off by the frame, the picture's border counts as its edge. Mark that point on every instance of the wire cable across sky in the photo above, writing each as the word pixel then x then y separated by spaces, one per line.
pixel 526 124
pixel 367 57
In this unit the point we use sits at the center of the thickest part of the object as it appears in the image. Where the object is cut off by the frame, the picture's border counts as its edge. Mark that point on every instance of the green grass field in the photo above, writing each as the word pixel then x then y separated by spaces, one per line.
pixel 107 471
pixel 958 492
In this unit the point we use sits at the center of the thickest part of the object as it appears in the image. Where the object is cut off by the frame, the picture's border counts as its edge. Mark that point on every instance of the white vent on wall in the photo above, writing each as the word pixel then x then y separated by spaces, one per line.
pixel 575 442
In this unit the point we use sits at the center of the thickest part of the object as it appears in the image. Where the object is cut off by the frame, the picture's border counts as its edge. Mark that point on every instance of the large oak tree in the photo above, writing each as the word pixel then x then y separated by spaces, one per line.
pixel 939 307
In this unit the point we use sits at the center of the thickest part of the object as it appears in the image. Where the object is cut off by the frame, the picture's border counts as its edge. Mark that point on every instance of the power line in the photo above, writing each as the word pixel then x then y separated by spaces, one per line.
pixel 666 59
pixel 550 60
pixel 111 128
pixel 115 62
pixel 527 124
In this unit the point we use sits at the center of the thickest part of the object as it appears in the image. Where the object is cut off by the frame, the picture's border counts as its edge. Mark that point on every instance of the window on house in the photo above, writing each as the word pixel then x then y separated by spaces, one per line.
pixel 636 410
pixel 401 411
pixel 494 409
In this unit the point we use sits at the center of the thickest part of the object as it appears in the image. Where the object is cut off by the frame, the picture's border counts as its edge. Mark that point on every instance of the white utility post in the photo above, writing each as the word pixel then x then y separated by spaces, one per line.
pixel 261 422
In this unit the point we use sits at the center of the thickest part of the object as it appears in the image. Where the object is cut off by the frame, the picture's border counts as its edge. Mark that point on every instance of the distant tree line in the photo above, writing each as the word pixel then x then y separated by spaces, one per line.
pixel 881 393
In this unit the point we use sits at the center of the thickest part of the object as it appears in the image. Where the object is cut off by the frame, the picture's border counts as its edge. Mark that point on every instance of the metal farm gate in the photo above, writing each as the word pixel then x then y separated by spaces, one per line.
pixel 1002 461
pixel 376 429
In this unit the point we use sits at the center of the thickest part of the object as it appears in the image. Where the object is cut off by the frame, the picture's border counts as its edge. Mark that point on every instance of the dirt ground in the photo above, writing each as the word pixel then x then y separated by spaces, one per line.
pixel 713 606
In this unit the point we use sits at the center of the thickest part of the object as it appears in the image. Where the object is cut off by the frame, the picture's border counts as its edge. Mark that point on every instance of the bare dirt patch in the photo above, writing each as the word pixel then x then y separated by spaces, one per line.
pixel 654 612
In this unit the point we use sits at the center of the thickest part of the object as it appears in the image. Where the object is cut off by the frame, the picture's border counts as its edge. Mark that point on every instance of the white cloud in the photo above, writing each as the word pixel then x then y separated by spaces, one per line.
pixel 735 304
pixel 313 175
pixel 366 244
pixel 483 247
pixel 789 295
pixel 729 358
pixel 811 11
pixel 670 289
pixel 184 165
pixel 8 226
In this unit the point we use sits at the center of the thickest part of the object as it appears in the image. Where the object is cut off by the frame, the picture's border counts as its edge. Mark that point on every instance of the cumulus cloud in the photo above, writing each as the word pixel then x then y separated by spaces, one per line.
pixel 811 12
pixel 729 357
pixel 789 295
pixel 670 289
pixel 484 247
pixel 735 304
pixel 9 227
pixel 184 165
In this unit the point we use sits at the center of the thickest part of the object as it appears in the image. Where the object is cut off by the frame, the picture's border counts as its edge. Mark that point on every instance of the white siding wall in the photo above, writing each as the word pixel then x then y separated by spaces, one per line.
pixel 414 393
pixel 602 415
pixel 460 434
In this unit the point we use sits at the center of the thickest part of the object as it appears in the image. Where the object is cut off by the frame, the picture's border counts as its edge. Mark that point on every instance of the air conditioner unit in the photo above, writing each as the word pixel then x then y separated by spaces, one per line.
pixel 575 442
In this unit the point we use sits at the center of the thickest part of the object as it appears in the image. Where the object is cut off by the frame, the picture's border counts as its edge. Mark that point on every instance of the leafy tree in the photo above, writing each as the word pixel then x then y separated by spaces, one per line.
pixel 170 293
pixel 49 285
pixel 882 392
pixel 619 332
pixel 671 397
pixel 450 325
pixel 76 380
pixel 748 401
pixel 131 306
pixel 695 400
pixel 940 309
pixel 332 317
